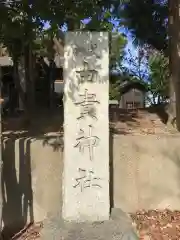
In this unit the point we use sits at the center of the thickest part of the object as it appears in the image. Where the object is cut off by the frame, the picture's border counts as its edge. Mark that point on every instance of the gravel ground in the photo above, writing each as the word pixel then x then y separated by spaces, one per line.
pixel 157 225
pixel 30 232
pixel 139 122
pixel 150 225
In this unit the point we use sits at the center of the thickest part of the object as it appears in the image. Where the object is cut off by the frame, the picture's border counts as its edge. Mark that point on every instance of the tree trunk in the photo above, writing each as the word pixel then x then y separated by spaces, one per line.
pixel 30 88
pixel 174 33
pixel 73 25
pixel 59 46
pixel 28 60
pixel 172 62
pixel 51 81
pixel 51 54
pixel 18 84
pixel 1 161
pixel 177 59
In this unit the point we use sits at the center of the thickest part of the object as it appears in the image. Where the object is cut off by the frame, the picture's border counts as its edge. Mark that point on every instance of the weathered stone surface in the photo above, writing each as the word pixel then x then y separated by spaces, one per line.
pixel 86 127
pixel 118 228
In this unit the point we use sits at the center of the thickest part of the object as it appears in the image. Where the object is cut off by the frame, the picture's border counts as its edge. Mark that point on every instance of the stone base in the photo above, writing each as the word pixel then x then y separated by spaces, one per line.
pixel 119 227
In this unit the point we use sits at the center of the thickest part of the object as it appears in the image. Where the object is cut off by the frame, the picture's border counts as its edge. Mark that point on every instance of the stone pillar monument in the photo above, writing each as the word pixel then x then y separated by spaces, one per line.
pixel 86 127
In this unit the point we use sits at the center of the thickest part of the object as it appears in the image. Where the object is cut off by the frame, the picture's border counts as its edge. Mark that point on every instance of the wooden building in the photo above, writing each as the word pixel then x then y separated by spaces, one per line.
pixel 133 95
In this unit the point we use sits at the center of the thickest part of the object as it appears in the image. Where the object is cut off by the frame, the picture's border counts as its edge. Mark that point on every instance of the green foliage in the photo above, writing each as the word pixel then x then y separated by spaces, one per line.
pixel 117 42
pixel 117 46
pixel 137 63
pixel 21 26
pixel 18 15
pixel 147 21
pixel 115 81
pixel 117 50
pixel 159 76
pixel 114 92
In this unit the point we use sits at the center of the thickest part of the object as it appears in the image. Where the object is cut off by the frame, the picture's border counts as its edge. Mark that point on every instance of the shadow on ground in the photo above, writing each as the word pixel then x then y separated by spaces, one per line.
pixel 17 185
pixel 160 111
pixel 16 188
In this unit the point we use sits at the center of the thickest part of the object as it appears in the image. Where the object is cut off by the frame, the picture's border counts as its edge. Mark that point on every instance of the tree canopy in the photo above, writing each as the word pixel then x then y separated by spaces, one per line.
pixel 159 77
pixel 146 20
pixel 22 32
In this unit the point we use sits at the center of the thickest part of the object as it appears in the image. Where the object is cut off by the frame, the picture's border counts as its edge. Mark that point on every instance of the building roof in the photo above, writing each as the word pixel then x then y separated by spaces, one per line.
pixel 125 86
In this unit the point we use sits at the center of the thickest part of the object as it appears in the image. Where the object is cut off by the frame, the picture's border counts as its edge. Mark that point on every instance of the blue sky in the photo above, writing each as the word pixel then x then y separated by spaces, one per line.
pixel 130 46
pixel 116 24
